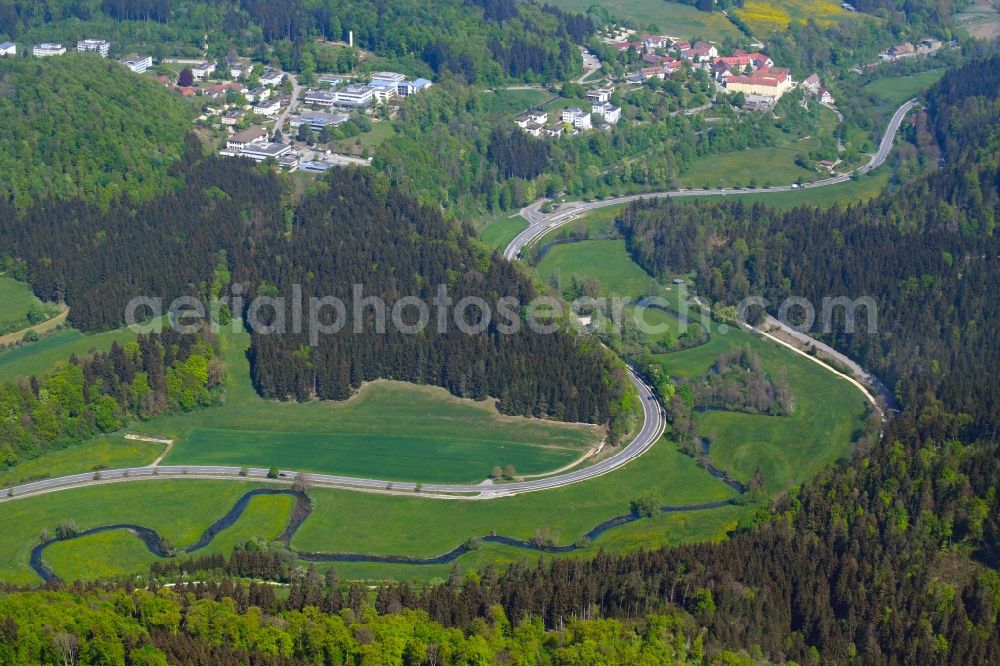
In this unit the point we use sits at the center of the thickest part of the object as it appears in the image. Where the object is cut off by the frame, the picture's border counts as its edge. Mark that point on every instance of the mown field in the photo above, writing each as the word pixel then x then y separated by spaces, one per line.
pixel 500 232
pixel 896 90
pixel 17 298
pixel 388 430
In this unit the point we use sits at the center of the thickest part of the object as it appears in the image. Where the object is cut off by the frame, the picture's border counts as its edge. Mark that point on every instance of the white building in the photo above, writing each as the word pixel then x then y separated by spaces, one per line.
pixel 271 77
pixel 259 152
pixel 608 112
pixel 240 140
pixel 531 118
pixel 138 63
pixel 48 49
pixel 576 117
pixel 384 93
pixel 320 97
pixel 101 46
pixel 317 120
pixel 412 87
pixel 386 79
pixel 355 96
pixel 8 48
pixel 599 95
pixel 267 107
pixel 202 71
pixel 258 94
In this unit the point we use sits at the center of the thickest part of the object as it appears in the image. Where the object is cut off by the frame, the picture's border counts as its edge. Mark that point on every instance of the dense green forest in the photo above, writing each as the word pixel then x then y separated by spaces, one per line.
pixel 229 223
pixel 224 625
pixel 351 233
pixel 484 42
pixel 81 126
pixel 155 374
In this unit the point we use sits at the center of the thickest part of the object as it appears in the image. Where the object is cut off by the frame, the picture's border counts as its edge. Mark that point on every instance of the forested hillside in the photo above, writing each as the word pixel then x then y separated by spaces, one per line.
pixel 354 233
pixel 484 41
pixel 892 558
pixel 926 254
pixel 165 247
pixel 213 624
pixel 104 391
pixel 228 222
pixel 81 126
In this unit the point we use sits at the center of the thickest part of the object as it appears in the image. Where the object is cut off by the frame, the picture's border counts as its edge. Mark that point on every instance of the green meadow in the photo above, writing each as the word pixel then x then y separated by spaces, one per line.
pixel 388 430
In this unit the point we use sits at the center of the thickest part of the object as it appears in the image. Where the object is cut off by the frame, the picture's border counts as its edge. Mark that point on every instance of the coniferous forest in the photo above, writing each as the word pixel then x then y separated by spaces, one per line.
pixel 228 219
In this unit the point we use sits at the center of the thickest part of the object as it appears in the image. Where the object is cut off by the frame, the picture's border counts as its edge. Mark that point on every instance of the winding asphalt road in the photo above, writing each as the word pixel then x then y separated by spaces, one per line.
pixel 540 223
pixel 653 425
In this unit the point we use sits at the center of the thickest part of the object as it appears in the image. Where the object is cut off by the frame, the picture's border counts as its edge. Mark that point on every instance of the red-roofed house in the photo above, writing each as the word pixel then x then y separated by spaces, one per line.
pixel 681 45
pixel 653 72
pixel 765 81
pixel 700 52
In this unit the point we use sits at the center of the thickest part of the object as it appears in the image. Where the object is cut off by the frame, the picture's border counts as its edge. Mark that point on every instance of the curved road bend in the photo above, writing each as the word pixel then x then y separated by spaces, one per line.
pixel 539 223
pixel 653 425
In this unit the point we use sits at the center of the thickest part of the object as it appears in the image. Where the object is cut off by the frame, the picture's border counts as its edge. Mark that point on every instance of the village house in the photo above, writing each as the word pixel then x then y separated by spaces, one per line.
pixel 240 140
pixel 8 48
pixel 825 97
pixel 599 95
pixel 655 41
pixel 406 88
pixel 202 71
pixel 221 89
pixel 811 84
pixel 576 117
pixel 531 117
pixel 101 46
pixel 765 81
pixel 271 77
pixel 137 63
pixel 608 112
pixel 653 73
pixel 700 52
pixel 47 49
pixel 233 117
pixel 318 120
pixel 681 45
pixel 238 67
pixel 320 97
pixel 267 108
pixel 258 94
pixel 354 96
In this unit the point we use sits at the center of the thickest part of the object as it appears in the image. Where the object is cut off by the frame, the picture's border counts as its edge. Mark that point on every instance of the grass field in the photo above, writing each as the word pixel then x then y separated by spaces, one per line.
pixel 17 298
pixel 896 90
pixel 179 510
pixel 358 522
pixel 659 16
pixel 341 521
pixel 389 430
pixel 37 357
pixel 104 452
pixel 500 232
pixel 606 260
pixel 367 141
